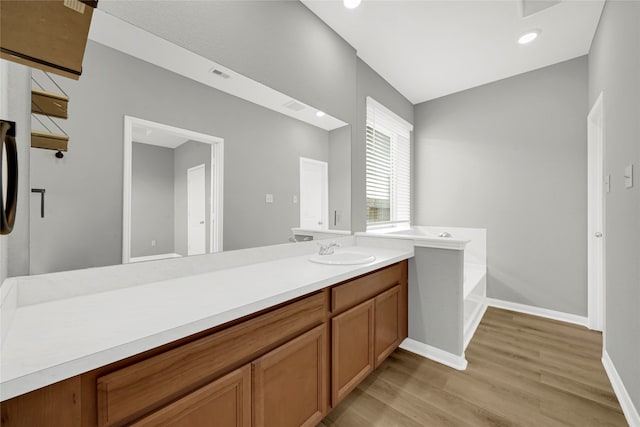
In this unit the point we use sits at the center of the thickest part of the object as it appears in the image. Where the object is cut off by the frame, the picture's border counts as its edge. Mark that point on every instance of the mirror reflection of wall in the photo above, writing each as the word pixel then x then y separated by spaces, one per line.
pixel 83 223
pixel 161 199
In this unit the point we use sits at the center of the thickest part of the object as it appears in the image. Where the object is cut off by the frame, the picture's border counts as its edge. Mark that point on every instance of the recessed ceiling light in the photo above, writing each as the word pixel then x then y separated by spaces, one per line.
pixel 320 113
pixel 529 36
pixel 351 4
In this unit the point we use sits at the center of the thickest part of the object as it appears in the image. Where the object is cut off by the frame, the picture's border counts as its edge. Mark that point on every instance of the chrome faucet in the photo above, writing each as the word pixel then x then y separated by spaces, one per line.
pixel 328 248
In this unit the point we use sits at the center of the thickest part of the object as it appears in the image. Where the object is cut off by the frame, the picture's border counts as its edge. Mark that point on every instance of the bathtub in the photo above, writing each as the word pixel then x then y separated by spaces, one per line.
pixel 467 295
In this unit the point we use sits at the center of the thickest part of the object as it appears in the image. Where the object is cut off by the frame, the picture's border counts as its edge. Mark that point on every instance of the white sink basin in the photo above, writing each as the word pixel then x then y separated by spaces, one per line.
pixel 343 258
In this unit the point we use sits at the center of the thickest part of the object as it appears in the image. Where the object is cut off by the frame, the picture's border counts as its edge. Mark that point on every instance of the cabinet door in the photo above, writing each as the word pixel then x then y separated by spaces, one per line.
pixel 388 323
pixel 290 382
pixel 223 403
pixel 352 349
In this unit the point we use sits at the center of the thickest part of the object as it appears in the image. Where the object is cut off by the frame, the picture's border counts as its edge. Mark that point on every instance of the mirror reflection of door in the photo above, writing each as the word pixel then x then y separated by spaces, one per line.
pixel 172 193
pixel 196 208
pixel 314 185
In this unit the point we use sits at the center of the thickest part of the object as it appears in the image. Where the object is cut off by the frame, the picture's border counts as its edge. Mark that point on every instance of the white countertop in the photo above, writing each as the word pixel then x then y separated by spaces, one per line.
pixel 55 339
pixel 421 236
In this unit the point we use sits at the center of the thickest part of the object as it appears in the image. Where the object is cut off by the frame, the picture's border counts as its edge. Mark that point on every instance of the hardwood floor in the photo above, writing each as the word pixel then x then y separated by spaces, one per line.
pixel 523 371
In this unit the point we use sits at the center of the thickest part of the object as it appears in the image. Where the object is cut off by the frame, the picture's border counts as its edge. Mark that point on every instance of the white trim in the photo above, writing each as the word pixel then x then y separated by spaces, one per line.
pixel 473 325
pixel 216 194
pixel 537 311
pixel 449 359
pixel 217 185
pixel 388 112
pixel 154 257
pixel 630 411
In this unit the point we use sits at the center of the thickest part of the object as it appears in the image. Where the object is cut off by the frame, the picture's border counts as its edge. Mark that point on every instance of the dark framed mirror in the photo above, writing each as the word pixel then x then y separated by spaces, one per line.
pixel 9 174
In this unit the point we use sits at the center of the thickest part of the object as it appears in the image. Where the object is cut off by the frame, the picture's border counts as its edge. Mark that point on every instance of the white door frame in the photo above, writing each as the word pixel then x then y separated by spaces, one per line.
pixel 595 217
pixel 325 190
pixel 217 180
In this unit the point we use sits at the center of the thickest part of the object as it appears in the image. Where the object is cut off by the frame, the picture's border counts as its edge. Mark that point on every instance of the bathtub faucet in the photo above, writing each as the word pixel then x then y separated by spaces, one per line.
pixel 328 248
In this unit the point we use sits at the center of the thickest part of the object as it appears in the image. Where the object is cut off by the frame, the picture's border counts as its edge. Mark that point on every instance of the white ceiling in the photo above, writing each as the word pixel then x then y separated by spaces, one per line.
pixel 145 135
pixel 430 48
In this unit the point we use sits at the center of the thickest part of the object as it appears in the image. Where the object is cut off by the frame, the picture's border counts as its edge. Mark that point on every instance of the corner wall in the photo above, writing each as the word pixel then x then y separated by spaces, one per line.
pixel 614 68
pixel 511 156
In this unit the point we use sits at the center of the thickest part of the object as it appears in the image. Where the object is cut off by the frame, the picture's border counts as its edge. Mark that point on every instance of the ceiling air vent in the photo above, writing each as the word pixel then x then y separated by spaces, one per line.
pixel 294 105
pixel 220 73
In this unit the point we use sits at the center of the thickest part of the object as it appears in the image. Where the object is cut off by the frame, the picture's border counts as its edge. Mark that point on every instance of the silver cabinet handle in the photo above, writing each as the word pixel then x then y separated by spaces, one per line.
pixel 598 234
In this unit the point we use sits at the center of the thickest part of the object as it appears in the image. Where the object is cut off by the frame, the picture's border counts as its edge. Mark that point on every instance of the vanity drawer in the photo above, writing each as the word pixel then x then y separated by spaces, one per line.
pixel 365 287
pixel 128 393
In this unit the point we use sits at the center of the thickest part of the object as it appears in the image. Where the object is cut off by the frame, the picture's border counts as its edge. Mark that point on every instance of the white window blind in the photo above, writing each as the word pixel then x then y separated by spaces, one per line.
pixel 388 165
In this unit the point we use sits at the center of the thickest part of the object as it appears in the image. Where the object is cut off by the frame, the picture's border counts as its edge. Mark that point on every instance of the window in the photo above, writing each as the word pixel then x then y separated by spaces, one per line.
pixel 388 165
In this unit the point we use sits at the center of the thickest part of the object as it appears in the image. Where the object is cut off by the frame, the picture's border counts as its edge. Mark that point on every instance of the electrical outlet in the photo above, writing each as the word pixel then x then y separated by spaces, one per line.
pixel 268 198
pixel 295 199
pixel 153 242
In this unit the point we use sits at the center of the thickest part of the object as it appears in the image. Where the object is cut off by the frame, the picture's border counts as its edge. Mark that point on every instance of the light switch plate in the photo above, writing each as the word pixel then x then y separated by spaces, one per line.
pixel 628 176
pixel 268 198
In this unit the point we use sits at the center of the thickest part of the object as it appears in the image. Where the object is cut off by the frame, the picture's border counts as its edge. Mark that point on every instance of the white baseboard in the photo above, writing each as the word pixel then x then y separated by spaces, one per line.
pixel 449 359
pixel 475 322
pixel 154 257
pixel 537 311
pixel 629 410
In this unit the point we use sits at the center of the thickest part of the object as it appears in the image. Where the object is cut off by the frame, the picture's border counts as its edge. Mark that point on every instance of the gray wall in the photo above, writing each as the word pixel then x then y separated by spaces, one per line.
pixel 14 247
pixel 152 200
pixel 369 83
pixel 510 156
pixel 614 68
pixel 261 155
pixel 436 311
pixel 188 155
pixel 340 178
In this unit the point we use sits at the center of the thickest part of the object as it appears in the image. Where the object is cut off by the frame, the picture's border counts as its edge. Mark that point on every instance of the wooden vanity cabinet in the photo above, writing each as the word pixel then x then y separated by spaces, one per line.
pixel 225 402
pixel 352 347
pixel 128 393
pixel 290 382
pixel 365 334
pixel 285 366
pixel 389 323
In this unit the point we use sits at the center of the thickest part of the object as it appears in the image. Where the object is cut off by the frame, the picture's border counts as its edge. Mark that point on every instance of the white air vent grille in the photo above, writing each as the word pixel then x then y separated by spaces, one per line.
pixel 220 73
pixel 294 105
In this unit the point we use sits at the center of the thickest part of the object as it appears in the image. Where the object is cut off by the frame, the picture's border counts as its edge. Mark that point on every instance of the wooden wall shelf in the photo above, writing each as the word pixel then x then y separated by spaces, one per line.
pixel 49 141
pixel 49 103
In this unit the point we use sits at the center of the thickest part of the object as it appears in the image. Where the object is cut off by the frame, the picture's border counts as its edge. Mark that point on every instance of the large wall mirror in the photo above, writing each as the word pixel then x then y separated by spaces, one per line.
pixel 121 111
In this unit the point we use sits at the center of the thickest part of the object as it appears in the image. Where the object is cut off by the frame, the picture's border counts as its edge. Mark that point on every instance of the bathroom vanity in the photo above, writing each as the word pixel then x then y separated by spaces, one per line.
pixel 274 349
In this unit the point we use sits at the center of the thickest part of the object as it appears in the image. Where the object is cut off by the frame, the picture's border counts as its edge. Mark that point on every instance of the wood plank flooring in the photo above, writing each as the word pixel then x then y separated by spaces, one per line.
pixel 523 371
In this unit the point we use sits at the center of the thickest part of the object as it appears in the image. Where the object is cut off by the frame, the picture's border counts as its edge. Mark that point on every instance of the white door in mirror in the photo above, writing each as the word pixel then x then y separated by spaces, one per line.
pixel 196 239
pixel 313 194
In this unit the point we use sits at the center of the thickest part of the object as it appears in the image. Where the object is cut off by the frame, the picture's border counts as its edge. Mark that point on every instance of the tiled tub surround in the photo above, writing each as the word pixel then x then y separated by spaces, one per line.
pixel 447 288
pixel 58 325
